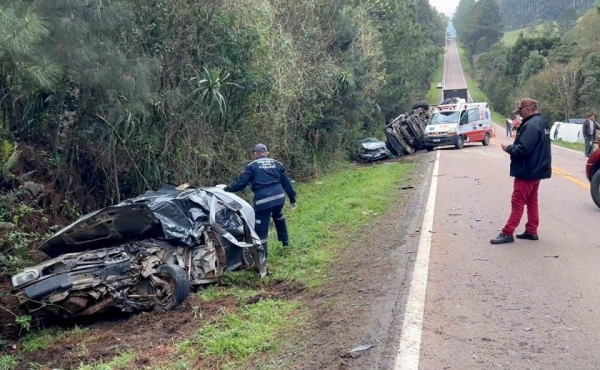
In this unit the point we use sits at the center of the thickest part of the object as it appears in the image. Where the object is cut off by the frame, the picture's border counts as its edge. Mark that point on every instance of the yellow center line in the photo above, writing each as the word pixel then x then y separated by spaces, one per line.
pixel 564 174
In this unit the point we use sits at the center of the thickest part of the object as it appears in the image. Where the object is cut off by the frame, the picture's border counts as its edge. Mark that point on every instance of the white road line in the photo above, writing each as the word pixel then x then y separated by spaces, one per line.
pixel 412 325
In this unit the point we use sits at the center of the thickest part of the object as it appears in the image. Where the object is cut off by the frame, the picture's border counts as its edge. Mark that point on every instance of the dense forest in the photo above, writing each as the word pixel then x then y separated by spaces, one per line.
pixel 102 100
pixel 521 13
pixel 561 70
pixel 518 14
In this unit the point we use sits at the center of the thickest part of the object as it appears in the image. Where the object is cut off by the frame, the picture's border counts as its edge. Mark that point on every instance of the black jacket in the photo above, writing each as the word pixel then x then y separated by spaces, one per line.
pixel 269 182
pixel 531 153
pixel 586 128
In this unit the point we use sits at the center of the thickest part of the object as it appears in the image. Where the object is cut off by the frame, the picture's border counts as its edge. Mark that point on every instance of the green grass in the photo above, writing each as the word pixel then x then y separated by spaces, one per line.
pixel 576 146
pixel 122 361
pixel 433 96
pixel 239 336
pixel 510 37
pixel 8 362
pixel 328 211
pixel 42 339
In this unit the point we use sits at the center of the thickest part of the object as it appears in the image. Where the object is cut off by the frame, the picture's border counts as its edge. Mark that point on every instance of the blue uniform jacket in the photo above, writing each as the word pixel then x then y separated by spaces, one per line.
pixel 269 182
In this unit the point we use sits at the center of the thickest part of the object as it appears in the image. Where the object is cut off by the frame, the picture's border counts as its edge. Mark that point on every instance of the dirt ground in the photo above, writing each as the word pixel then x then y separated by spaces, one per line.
pixel 150 335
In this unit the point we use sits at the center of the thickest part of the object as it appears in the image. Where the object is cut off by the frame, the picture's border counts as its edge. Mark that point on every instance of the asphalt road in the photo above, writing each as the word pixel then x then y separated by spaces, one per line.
pixel 526 305
pixel 453 76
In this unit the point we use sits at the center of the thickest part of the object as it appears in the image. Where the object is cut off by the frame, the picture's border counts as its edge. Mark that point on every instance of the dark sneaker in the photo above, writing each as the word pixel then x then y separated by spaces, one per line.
pixel 527 236
pixel 503 239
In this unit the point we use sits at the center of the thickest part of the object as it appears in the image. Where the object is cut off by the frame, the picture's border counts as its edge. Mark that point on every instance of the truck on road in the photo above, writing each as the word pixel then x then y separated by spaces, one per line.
pixel 460 93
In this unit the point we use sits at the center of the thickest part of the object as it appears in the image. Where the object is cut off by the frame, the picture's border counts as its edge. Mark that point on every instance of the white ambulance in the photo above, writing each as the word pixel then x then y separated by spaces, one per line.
pixel 458 123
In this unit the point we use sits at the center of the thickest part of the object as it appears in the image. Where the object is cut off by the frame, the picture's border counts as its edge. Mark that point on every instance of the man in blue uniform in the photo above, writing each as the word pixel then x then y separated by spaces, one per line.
pixel 269 183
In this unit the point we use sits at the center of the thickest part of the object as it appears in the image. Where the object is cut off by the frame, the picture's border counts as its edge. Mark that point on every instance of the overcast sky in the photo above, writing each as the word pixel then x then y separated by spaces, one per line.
pixel 445 6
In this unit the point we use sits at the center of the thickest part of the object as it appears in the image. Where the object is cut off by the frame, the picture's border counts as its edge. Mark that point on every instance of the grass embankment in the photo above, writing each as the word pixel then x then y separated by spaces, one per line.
pixel 476 93
pixel 330 211
pixel 511 37
pixel 498 118
pixel 575 146
pixel 433 96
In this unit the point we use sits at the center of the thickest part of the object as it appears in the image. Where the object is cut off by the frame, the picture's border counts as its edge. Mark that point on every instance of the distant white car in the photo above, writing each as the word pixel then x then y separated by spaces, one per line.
pixel 439 85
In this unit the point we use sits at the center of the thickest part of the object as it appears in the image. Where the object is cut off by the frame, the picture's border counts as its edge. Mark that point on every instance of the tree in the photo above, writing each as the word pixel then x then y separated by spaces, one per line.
pixel 532 65
pixel 590 89
pixel 520 13
pixel 566 20
pixel 556 88
pixel 482 28
pixel 461 15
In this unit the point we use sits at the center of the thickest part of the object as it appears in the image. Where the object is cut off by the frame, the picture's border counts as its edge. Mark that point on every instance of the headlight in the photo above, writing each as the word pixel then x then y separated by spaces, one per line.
pixel 452 131
pixel 24 278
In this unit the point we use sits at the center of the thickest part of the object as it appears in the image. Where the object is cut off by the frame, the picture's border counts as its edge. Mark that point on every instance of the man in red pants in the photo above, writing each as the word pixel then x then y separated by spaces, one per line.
pixel 530 162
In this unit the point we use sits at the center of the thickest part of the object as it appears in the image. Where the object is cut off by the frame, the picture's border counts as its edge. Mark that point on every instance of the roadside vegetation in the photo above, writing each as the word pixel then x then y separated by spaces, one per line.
pixel 580 147
pixel 101 101
pixel 251 317
pixel 537 29
pixel 433 96
pixel 555 60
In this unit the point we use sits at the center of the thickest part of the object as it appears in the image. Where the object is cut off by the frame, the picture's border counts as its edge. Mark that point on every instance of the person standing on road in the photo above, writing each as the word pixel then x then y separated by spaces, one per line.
pixel 589 133
pixel 530 162
pixel 269 183
pixel 516 122
pixel 509 122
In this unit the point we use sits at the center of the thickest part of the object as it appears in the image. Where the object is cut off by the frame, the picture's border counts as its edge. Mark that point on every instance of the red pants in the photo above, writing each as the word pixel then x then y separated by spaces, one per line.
pixel 525 193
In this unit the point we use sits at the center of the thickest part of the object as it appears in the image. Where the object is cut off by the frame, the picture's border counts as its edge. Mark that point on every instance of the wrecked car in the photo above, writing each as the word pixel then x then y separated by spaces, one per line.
pixel 144 253
pixel 406 133
pixel 372 149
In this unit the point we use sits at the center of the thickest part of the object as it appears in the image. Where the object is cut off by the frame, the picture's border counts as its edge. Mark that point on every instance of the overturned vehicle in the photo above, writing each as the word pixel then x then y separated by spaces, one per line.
pixel 144 253
pixel 406 133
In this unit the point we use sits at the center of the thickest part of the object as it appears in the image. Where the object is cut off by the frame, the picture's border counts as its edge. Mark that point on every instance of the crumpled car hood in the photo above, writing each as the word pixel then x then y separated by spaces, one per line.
pixel 176 215
pixel 103 228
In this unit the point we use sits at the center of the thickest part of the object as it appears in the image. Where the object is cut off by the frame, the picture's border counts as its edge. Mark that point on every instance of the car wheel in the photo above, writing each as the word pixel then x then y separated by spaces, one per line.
pixel 248 257
pixel 461 143
pixel 429 148
pixel 595 188
pixel 170 287
pixel 486 141
pixel 421 104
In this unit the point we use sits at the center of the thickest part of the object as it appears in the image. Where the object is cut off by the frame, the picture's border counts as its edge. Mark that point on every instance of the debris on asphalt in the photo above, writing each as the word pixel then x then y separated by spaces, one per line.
pixel 550 256
pixel 356 351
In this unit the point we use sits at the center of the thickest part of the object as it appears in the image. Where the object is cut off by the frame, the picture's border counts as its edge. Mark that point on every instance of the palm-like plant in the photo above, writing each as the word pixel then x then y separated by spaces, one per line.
pixel 209 86
pixel 345 82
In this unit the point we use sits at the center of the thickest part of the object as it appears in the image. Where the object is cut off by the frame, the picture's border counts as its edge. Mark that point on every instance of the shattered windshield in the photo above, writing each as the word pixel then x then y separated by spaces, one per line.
pixel 439 118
